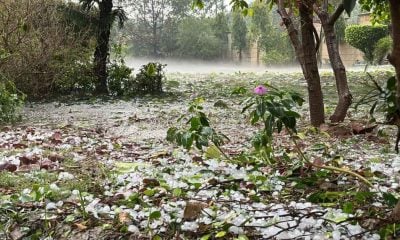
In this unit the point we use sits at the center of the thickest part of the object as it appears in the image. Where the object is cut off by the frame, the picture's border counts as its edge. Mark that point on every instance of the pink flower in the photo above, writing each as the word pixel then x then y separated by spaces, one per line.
pixel 260 90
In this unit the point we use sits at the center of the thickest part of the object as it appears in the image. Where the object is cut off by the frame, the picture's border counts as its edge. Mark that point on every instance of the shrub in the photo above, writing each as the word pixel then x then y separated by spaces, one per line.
pixel 76 78
pixel 10 101
pixel 44 50
pixel 365 37
pixel 119 78
pixel 382 49
pixel 149 79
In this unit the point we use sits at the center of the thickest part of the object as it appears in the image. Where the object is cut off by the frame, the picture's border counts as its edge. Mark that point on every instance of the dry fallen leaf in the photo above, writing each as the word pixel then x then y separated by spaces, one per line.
pixel 8 167
pixel 124 217
pixel 80 226
pixel 193 210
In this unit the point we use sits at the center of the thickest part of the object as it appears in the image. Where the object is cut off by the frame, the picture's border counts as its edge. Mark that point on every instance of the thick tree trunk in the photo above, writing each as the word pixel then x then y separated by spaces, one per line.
pixel 394 59
pixel 315 96
pixel 344 95
pixel 306 54
pixel 102 46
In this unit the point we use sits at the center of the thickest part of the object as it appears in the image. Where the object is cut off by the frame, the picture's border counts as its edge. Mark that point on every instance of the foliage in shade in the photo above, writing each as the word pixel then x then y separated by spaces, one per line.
pixel 382 49
pixel 11 100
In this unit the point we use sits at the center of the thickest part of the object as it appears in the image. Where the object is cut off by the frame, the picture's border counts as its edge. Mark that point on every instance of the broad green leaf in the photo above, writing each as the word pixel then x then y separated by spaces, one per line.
pixel 390 200
pixel 177 192
pixel 205 237
pixel 212 152
pixel 155 215
pixel 220 234
pixel 149 192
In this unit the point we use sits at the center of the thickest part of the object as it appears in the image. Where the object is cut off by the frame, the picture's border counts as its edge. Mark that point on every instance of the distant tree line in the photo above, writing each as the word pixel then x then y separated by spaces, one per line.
pixel 171 28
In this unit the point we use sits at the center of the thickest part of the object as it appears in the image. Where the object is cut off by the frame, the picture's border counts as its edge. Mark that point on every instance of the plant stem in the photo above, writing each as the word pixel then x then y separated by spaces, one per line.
pixel 222 152
pixel 330 168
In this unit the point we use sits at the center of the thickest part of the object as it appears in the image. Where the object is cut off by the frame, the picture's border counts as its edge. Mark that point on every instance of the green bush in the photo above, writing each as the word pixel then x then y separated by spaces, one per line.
pixel 149 79
pixel 382 49
pixel 76 78
pixel 365 37
pixel 119 78
pixel 11 100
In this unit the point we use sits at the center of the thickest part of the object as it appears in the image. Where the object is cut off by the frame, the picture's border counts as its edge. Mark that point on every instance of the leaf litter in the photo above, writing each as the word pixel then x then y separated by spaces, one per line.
pixel 104 169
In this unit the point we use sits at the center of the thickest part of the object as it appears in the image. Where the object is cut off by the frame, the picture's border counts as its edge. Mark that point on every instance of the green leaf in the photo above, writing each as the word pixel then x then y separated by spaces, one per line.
pixel 171 133
pixel 348 208
pixel 155 215
pixel 195 123
pixel 242 237
pixel 212 152
pixel 127 167
pixel 205 237
pixel 151 69
pixel 187 140
pixel 390 200
pixel 149 192
pixel 156 237
pixel 197 3
pixel 220 234
pixel 177 192
pixel 349 5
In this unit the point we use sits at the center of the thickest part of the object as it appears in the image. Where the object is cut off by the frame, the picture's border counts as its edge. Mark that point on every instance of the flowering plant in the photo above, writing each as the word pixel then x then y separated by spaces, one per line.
pixel 273 109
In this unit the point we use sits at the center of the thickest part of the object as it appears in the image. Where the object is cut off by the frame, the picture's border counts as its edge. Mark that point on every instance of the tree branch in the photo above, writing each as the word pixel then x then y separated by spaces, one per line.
pixel 336 14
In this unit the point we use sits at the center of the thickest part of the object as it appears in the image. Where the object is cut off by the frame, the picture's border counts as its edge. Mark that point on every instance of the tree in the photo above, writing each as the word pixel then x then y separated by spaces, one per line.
pixel 220 27
pixel 154 22
pixel 305 49
pixel 239 33
pixel 328 22
pixel 269 36
pixel 381 9
pixel 196 39
pixel 106 17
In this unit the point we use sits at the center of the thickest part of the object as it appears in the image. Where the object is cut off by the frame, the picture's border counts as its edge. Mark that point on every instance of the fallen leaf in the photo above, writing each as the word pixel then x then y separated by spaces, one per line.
pixel 124 217
pixel 28 159
pixel 80 226
pixel 8 167
pixel 193 209
pixel 55 157
pixel 150 182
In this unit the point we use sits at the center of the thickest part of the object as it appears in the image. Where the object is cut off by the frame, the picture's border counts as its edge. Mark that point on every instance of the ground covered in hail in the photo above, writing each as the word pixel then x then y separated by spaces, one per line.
pixel 102 169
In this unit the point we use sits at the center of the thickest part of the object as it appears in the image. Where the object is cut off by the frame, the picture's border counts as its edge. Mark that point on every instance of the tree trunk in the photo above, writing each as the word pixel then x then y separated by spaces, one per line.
pixel 339 70
pixel 306 55
pixel 315 96
pixel 102 46
pixel 394 59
